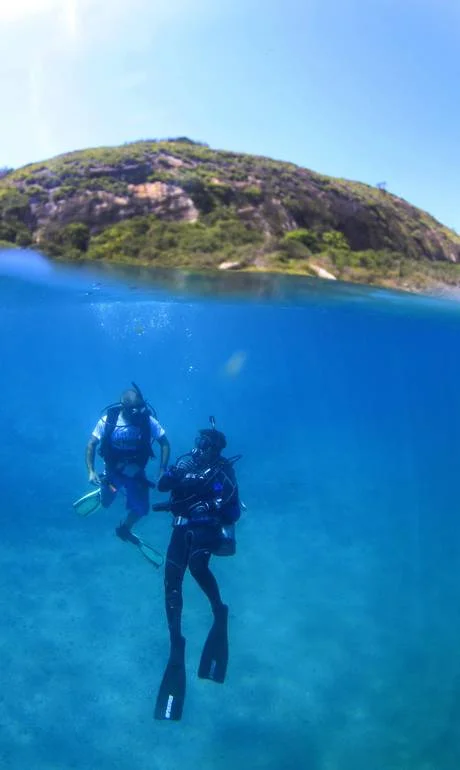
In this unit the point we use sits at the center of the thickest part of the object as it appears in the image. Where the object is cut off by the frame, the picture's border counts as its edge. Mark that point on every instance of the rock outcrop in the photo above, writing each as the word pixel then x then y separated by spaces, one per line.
pixel 181 203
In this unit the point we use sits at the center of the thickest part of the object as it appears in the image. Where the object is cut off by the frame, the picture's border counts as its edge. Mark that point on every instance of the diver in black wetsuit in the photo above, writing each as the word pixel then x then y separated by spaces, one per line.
pixel 205 505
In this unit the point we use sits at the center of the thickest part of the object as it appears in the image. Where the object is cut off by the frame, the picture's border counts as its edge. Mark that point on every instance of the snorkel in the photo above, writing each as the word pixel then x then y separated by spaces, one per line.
pixel 137 390
pixel 133 404
pixel 146 404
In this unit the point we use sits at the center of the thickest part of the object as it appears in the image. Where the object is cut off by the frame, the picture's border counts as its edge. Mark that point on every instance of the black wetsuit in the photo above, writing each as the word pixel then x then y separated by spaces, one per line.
pixel 203 498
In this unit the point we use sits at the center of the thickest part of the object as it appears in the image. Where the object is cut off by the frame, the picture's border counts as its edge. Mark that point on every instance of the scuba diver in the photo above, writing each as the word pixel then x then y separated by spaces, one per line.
pixel 125 433
pixel 205 505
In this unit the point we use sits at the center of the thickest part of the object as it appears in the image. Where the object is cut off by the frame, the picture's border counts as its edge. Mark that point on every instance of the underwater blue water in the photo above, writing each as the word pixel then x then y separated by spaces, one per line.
pixel 344 594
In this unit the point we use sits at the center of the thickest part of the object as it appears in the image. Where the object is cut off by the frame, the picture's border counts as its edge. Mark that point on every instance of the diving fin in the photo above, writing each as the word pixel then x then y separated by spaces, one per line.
pixel 151 554
pixel 171 695
pixel 147 550
pixel 214 658
pixel 89 503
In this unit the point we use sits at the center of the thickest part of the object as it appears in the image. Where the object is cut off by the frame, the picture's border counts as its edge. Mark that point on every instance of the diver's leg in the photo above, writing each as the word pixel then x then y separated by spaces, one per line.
pixel 214 658
pixel 137 505
pixel 176 564
pixel 131 519
pixel 171 694
pixel 200 555
pixel 137 499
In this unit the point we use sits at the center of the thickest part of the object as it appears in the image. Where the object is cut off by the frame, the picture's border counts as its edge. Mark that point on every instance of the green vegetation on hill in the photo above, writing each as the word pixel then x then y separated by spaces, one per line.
pixel 180 203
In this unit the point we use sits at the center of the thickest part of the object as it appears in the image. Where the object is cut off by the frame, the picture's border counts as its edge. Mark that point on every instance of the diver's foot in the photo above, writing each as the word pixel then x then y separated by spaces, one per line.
pixel 125 534
pixel 214 658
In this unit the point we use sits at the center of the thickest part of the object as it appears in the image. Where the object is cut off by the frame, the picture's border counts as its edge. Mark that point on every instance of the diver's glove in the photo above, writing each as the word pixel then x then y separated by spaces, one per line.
pixel 170 478
pixel 126 535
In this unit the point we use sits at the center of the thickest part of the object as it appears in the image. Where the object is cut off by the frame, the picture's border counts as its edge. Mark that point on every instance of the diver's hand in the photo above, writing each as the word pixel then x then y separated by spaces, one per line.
pixel 161 472
pixel 199 509
pixel 170 479
pixel 205 507
pixel 174 471
pixel 94 478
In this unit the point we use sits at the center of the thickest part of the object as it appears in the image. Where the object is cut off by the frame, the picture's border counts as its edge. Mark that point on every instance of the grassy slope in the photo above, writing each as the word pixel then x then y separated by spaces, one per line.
pixel 251 211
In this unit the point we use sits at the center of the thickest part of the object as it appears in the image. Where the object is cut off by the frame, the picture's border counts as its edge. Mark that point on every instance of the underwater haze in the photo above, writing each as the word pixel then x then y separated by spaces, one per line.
pixel 344 592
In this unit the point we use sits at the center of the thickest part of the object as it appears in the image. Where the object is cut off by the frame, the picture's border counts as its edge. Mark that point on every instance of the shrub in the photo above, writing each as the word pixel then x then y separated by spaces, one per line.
pixel 222 193
pixel 68 242
pixel 186 140
pixel 307 238
pixel 63 192
pixel 198 191
pixel 149 238
pixel 253 193
pixel 13 204
pixel 23 237
pixel 293 249
pixel 335 240
pixel 7 232
pixel 15 216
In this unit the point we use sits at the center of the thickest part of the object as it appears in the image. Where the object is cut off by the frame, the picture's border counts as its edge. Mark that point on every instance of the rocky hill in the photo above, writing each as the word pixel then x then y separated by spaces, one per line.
pixel 179 203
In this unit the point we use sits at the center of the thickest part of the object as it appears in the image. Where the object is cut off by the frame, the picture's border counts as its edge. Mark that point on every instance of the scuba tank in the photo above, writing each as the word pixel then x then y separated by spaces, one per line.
pixel 227 541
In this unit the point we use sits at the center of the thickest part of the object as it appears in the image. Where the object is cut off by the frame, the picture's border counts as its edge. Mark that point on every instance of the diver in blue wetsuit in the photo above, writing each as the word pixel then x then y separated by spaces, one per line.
pixel 205 505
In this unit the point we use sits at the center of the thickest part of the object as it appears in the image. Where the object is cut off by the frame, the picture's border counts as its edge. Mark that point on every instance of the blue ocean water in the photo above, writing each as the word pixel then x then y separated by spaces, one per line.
pixel 344 594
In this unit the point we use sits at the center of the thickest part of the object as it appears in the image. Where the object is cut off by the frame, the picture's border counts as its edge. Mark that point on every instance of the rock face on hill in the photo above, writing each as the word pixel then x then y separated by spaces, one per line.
pixel 179 203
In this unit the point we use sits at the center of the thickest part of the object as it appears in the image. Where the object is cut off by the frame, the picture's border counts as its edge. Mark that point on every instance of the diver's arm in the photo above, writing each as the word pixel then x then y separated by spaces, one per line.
pixel 178 476
pixel 93 476
pixel 186 476
pixel 165 452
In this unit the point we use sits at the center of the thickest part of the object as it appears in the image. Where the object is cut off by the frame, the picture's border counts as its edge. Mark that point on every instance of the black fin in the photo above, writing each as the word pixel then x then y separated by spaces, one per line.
pixel 214 658
pixel 171 695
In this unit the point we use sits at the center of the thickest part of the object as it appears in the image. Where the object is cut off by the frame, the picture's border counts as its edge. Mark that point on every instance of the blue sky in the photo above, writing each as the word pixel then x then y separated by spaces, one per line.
pixel 361 89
